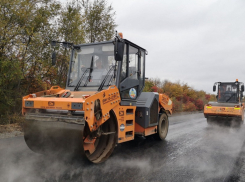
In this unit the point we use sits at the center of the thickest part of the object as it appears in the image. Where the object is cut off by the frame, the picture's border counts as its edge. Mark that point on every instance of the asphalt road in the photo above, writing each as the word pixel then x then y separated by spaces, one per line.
pixel 193 151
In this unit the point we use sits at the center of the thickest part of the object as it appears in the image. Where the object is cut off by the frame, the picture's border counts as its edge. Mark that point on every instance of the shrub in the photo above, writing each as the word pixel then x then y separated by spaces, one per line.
pixel 177 105
pixel 199 105
pixel 189 106
pixel 154 88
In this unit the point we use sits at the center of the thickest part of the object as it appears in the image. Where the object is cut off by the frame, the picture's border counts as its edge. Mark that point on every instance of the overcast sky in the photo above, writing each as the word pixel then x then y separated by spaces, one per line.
pixel 193 41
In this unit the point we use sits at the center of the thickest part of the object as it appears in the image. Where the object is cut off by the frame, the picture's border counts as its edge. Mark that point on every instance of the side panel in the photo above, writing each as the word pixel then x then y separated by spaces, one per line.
pixel 108 100
pixel 147 109
pixel 126 122
pixel 145 131
pixel 149 104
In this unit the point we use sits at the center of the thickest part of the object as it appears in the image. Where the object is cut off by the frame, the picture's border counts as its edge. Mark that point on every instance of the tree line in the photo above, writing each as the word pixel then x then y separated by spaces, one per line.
pixel 26 29
pixel 184 97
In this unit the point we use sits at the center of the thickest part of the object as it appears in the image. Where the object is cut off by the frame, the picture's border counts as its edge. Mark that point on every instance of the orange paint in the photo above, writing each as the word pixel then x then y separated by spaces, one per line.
pixel 109 101
pixel 125 117
pixel 145 131
pixel 165 103
pixel 224 111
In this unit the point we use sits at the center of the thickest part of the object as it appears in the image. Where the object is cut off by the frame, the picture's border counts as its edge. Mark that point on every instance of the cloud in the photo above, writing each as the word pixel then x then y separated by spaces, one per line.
pixel 198 42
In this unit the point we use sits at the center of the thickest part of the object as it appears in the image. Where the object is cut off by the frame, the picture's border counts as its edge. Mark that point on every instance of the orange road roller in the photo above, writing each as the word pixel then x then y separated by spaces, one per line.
pixel 228 106
pixel 101 106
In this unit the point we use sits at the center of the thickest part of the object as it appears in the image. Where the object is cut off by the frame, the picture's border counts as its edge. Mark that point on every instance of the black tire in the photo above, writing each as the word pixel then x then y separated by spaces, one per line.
pixel 162 128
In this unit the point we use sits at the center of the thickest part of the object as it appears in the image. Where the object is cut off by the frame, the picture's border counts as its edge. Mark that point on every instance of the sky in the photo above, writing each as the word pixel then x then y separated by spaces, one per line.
pixel 192 41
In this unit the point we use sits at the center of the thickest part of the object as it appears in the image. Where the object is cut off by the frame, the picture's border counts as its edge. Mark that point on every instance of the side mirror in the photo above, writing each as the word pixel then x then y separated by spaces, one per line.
pixel 53 43
pixel 214 88
pixel 53 58
pixel 119 50
pixel 242 88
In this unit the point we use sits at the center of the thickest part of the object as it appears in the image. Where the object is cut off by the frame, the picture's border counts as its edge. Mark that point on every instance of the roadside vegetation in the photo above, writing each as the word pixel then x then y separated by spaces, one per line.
pixel 183 96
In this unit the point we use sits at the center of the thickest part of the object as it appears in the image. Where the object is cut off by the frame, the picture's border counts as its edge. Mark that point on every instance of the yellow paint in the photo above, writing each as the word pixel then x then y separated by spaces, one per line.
pixel 209 107
pixel 237 108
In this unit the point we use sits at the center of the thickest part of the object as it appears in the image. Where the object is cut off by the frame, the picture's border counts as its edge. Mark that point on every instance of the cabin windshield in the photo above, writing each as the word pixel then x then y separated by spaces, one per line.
pixel 228 92
pixel 91 65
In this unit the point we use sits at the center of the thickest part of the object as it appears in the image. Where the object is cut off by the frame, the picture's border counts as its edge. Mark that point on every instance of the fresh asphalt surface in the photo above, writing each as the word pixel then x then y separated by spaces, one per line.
pixel 193 151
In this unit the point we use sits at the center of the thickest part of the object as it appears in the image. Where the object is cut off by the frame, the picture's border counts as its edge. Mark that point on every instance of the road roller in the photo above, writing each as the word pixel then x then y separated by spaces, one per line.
pixel 229 107
pixel 102 105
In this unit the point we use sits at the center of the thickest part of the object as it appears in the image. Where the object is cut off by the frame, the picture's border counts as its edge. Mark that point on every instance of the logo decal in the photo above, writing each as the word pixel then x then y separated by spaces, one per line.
pixel 110 98
pixel 132 93
pixel 50 103
pixel 121 113
pixel 122 127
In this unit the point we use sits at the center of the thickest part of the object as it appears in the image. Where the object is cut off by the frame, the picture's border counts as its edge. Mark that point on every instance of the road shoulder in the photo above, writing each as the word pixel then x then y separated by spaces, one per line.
pixel 11 130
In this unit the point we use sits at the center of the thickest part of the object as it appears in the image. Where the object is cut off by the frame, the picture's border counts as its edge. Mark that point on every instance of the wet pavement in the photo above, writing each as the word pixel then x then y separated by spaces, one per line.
pixel 193 151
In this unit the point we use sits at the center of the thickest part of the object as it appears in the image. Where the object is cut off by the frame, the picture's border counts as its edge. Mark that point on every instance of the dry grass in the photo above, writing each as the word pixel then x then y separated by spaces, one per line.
pixel 8 128
pixel 10 123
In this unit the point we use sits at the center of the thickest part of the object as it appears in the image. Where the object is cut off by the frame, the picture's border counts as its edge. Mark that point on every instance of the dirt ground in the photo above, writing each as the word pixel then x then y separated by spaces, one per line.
pixel 11 130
